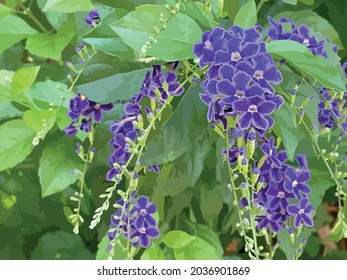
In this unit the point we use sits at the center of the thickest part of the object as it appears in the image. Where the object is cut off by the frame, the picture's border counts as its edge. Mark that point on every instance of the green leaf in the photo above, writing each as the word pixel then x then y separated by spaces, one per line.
pixel 154 252
pixel 41 121
pixel 247 15
pixel 51 46
pixel 186 127
pixel 4 11
pixel 188 247
pixel 103 38
pixel 206 234
pixel 56 19
pixel 291 2
pixel 60 245
pixel 24 78
pixel 317 66
pixel 175 42
pixel 16 143
pixel 68 6
pixel 286 127
pixel 13 29
pixel 56 165
pixel 197 12
pixel 116 87
pixel 307 2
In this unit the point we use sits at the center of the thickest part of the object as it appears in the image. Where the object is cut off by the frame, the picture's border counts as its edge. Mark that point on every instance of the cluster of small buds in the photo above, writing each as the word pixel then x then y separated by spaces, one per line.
pixel 79 107
pixel 156 86
pixel 286 29
pixel 93 18
pixel 238 78
pixel 134 218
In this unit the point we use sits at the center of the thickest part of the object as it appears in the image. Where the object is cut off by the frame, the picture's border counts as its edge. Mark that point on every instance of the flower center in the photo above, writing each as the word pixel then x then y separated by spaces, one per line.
pixel 295 183
pixel 270 153
pixel 306 42
pixel 240 94
pixel 252 109
pixel 218 96
pixel 142 230
pixel 97 106
pixel 143 212
pixel 235 56
pixel 301 211
pixel 259 74
pixel 208 44
pixel 280 195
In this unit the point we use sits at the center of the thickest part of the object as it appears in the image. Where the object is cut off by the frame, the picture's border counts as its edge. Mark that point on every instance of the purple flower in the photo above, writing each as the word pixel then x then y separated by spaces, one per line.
pixel 143 236
pixel 135 221
pixel 279 196
pixel 253 111
pixel 144 211
pixel 302 214
pixel 70 130
pixel 86 125
pixel 77 105
pixel 95 109
pixel 296 181
pixel 262 70
pixel 92 18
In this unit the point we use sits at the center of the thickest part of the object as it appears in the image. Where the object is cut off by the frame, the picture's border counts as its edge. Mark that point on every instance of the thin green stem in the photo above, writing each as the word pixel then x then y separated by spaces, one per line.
pixel 27 12
pixel 81 70
pixel 261 4
pixel 82 180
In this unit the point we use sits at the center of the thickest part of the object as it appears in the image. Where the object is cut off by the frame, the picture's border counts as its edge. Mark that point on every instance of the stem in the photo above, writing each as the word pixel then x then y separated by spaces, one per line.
pixel 30 15
pixel 81 70
pixel 261 4
pixel 82 180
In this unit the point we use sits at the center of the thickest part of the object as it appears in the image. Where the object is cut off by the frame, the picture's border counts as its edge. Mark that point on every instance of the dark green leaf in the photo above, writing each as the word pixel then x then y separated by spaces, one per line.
pixel 60 245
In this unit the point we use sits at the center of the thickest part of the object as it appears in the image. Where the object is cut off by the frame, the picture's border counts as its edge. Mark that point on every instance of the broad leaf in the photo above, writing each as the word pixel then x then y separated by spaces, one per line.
pixel 286 127
pixel 300 57
pixel 16 143
pixel 102 37
pixel 13 29
pixel 68 6
pixel 154 252
pixel 174 42
pixel 41 121
pixel 57 162
pixel 188 247
pixel 247 15
pixel 24 78
pixel 180 134
pixel 51 46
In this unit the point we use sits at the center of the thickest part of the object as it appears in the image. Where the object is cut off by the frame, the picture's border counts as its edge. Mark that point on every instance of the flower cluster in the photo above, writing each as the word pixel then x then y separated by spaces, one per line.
pixel 331 110
pixel 93 18
pixel 135 220
pixel 285 190
pixel 286 29
pixel 238 78
pixel 158 87
pixel 89 110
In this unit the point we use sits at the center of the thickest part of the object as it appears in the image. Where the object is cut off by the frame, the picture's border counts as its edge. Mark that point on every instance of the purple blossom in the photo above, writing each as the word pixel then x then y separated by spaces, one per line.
pixel 135 220
pixel 252 112
pixel 93 18
pixel 302 213
pixel 95 109
pixel 286 29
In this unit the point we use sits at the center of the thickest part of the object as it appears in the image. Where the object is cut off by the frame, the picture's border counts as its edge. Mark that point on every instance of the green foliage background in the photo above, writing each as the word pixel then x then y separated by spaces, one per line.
pixel 194 207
